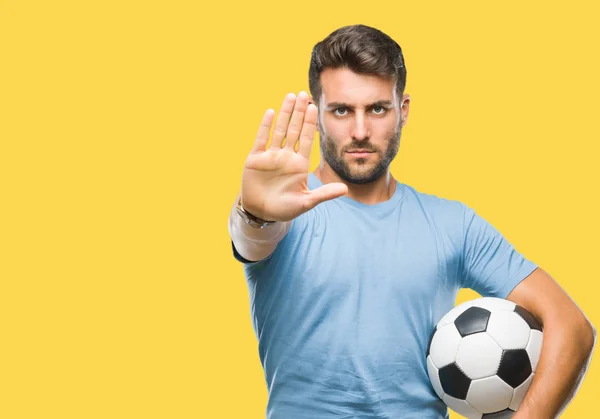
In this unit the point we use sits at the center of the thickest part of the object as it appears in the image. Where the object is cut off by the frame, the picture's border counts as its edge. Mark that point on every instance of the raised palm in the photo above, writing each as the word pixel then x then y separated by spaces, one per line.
pixel 274 182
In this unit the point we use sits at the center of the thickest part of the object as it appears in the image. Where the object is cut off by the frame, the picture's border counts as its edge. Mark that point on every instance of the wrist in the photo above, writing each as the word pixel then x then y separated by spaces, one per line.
pixel 250 218
pixel 524 412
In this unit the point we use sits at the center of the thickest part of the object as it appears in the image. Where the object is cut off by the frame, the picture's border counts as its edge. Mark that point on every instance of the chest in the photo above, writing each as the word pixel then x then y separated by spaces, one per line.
pixel 378 261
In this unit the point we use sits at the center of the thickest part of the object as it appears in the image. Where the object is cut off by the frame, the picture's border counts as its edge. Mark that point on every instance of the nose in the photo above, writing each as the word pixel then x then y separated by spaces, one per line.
pixel 360 130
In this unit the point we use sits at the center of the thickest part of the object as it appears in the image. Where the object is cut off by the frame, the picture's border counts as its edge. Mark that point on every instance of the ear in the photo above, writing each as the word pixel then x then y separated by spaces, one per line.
pixel 311 100
pixel 404 108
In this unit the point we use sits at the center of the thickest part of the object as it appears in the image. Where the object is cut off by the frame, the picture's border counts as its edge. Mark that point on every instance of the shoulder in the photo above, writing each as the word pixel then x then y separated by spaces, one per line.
pixel 443 208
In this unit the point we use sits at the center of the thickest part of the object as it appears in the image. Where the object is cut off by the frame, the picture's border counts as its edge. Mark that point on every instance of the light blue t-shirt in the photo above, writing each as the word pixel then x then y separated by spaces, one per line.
pixel 344 307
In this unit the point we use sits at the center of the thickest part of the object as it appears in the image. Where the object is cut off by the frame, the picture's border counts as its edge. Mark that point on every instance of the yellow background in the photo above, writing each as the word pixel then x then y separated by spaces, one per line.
pixel 124 126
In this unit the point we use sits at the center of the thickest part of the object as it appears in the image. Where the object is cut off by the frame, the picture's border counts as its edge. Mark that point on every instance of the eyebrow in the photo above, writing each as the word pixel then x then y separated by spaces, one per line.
pixel 335 105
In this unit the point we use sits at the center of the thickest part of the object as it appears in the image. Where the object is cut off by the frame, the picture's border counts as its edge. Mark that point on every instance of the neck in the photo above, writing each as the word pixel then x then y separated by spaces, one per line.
pixel 372 193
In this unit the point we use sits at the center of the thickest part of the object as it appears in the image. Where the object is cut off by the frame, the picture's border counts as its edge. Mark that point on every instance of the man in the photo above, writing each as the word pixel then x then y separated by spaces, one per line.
pixel 349 270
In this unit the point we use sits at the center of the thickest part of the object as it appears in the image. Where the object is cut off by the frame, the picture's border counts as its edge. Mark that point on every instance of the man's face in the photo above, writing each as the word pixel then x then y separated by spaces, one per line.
pixel 360 122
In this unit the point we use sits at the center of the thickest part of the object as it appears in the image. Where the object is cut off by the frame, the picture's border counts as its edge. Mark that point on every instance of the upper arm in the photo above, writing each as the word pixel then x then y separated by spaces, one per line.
pixel 545 299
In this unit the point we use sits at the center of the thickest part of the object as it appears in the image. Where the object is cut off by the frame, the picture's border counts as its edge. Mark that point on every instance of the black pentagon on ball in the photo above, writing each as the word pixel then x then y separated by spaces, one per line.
pixel 529 318
pixel 430 340
pixel 454 381
pixel 515 367
pixel 472 320
pixel 504 414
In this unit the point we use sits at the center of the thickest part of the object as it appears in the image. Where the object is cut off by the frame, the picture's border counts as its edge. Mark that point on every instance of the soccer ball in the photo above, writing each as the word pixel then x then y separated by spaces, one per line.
pixel 482 357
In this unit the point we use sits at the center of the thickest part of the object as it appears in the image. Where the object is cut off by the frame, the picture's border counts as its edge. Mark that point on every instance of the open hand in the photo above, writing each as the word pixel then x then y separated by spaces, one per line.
pixel 275 179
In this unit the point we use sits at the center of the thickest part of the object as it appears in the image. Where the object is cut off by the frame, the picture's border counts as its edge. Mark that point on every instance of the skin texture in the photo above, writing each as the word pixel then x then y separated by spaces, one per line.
pixel 359 111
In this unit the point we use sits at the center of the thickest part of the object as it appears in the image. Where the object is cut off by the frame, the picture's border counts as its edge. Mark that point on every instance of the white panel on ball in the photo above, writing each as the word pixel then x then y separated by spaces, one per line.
pixel 450 316
pixel 445 345
pixel 534 347
pixel 489 395
pixel 478 356
pixel 461 407
pixel 520 392
pixel 508 329
pixel 494 304
pixel 434 377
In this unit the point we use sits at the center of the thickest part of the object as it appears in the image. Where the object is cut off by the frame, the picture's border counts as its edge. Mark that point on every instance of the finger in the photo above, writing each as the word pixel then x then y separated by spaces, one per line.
pixel 262 137
pixel 282 121
pixel 295 126
pixel 309 128
pixel 325 193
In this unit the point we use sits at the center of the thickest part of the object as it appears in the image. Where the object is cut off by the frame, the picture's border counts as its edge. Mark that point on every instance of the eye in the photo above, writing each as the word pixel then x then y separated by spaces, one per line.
pixel 378 110
pixel 340 111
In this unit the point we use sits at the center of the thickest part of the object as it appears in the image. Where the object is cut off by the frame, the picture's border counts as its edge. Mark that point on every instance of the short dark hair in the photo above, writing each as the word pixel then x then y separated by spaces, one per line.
pixel 360 48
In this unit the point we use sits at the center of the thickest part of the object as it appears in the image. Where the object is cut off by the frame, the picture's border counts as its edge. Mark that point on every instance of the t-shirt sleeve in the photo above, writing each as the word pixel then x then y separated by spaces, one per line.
pixel 491 265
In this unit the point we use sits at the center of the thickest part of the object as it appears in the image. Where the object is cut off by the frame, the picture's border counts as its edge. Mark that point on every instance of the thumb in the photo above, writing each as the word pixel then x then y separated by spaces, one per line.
pixel 325 193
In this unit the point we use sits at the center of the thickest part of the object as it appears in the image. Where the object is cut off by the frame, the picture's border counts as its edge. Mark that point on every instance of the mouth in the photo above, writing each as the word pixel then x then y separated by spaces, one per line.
pixel 360 153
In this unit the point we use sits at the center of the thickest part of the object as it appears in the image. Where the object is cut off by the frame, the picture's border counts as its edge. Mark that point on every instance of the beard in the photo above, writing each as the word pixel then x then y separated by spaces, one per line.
pixel 362 171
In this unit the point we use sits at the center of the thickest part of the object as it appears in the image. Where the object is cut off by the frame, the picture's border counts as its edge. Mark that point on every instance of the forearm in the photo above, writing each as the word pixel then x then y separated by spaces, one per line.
pixel 565 357
pixel 255 243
